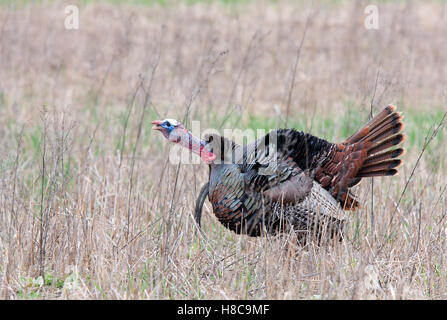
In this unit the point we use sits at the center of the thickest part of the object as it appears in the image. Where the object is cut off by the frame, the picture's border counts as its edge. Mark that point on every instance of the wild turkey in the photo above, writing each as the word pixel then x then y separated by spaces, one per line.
pixel 306 186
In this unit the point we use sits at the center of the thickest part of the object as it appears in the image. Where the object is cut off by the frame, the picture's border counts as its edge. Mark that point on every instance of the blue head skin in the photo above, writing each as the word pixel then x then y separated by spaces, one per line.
pixel 167 127
pixel 174 131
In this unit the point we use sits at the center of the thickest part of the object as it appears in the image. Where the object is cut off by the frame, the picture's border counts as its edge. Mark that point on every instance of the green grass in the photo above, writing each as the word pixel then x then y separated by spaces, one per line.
pixel 339 126
pixel 87 197
pixel 31 288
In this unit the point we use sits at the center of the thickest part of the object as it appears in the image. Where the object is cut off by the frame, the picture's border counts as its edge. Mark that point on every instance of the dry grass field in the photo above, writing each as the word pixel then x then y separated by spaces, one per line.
pixel 90 206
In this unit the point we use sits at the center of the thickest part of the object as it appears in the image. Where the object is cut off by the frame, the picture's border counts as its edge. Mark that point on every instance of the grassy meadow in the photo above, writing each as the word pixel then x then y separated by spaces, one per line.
pixel 90 206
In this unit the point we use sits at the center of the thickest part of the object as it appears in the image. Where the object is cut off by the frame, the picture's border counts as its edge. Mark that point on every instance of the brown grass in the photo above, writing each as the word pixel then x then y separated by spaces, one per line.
pixel 90 208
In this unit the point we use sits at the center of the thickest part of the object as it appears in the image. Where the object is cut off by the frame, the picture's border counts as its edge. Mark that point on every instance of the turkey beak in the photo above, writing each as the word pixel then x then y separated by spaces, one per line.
pixel 157 125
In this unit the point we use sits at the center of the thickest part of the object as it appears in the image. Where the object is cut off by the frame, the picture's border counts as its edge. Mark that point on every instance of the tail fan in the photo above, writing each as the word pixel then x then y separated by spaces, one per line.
pixel 380 134
pixel 367 153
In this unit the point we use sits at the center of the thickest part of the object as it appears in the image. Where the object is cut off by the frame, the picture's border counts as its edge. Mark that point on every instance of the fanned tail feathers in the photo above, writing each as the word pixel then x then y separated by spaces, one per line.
pixel 380 134
pixel 367 153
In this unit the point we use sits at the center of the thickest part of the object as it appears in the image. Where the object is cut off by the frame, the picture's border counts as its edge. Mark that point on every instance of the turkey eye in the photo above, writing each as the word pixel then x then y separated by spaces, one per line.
pixel 210 139
pixel 167 123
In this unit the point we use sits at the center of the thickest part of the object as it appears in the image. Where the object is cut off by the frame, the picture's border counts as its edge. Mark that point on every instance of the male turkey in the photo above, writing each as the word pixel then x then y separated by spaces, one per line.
pixel 290 180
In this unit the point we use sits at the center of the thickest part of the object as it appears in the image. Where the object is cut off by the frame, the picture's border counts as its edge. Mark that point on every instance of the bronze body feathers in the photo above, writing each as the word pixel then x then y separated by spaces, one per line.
pixel 307 185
